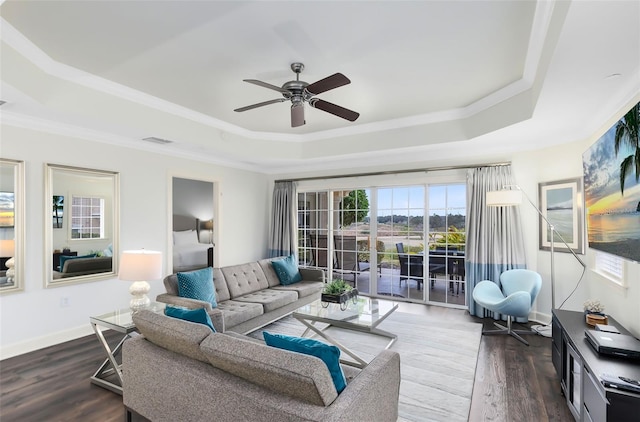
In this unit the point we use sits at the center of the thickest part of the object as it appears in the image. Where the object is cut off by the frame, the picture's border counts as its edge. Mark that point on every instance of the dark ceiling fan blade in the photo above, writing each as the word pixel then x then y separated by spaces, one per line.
pixel 264 103
pixel 297 114
pixel 266 85
pixel 330 82
pixel 336 110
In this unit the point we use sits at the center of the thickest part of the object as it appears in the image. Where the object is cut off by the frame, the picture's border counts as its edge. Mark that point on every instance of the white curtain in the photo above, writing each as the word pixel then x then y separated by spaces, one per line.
pixel 494 234
pixel 283 237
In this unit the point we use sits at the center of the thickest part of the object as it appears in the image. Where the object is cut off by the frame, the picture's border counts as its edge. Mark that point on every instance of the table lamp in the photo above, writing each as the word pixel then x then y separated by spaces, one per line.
pixel 139 266
pixel 208 225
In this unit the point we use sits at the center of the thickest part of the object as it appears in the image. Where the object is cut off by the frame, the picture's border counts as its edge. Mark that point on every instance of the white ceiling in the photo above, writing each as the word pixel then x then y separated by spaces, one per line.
pixel 433 81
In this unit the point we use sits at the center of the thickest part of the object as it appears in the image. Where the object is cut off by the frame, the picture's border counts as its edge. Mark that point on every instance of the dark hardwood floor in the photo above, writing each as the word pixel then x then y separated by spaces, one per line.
pixel 513 382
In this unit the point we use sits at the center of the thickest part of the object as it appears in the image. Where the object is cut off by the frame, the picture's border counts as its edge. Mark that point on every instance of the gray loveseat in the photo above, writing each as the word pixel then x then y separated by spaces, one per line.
pixel 182 371
pixel 249 295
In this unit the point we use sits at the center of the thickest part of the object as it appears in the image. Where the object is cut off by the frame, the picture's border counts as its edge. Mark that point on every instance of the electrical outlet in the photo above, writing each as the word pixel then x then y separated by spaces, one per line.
pixel 64 302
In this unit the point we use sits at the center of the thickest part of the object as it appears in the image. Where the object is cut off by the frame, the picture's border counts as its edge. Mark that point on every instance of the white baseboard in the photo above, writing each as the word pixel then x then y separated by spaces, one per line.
pixel 540 318
pixel 44 341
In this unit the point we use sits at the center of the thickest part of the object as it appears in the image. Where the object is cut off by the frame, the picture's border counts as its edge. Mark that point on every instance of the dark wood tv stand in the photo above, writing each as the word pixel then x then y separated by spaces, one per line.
pixel 579 368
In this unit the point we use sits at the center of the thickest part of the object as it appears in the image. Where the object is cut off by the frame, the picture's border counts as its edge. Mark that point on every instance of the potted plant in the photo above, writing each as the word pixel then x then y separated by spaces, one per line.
pixel 338 291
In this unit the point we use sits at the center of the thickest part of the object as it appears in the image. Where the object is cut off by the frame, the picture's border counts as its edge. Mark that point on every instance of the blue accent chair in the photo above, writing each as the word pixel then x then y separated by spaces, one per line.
pixel 519 290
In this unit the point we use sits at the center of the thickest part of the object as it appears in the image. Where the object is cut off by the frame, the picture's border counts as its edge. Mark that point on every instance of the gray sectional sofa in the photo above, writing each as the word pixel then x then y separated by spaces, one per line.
pixel 250 295
pixel 84 266
pixel 182 371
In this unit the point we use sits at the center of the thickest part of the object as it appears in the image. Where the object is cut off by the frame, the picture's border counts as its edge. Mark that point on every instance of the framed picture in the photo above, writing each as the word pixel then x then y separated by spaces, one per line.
pixel 7 209
pixel 58 211
pixel 561 204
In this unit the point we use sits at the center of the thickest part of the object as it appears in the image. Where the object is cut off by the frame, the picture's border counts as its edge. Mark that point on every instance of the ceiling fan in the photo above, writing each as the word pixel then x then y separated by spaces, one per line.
pixel 300 92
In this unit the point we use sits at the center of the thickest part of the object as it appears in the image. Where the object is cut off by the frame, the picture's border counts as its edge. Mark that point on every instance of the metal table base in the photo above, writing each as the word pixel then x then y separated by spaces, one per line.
pixel 359 362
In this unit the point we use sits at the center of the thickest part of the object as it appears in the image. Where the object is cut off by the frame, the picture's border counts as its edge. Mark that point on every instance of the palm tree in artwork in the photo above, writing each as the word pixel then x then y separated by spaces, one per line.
pixel 58 205
pixel 628 133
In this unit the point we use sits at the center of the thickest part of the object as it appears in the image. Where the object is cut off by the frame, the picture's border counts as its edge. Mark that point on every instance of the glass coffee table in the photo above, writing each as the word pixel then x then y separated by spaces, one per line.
pixel 109 375
pixel 363 315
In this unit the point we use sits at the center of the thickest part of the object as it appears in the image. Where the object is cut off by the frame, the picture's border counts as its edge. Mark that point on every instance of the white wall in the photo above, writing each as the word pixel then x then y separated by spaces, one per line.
pixel 34 318
pixel 564 162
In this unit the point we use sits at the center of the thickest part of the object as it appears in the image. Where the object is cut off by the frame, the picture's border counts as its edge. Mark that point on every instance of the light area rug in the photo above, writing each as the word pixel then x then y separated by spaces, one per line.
pixel 437 361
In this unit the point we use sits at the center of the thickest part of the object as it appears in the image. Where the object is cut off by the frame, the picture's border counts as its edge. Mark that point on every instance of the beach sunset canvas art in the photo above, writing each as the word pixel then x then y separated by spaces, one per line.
pixel 612 190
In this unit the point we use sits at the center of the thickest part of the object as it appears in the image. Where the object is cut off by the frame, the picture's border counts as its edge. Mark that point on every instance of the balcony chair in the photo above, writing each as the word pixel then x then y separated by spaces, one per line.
pixel 519 290
pixel 319 247
pixel 347 259
pixel 411 266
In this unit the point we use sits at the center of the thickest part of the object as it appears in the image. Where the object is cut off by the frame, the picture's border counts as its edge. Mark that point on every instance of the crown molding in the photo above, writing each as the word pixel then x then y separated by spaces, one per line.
pixel 542 19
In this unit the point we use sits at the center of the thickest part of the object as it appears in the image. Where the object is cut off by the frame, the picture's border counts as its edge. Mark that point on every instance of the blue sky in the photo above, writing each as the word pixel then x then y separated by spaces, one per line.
pixel 411 200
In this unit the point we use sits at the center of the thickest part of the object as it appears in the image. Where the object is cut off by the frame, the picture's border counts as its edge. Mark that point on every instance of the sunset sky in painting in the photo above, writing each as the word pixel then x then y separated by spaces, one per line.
pixel 602 177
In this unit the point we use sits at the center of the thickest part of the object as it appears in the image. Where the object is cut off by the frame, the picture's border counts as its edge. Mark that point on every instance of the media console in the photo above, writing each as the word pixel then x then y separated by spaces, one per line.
pixel 580 369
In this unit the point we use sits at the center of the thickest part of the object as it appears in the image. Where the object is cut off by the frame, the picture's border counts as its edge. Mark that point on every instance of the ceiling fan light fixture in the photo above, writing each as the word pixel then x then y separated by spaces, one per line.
pixel 297 114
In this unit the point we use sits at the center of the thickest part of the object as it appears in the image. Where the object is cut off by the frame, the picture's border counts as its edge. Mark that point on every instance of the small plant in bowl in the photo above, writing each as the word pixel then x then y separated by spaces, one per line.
pixel 337 286
pixel 593 306
pixel 338 291
pixel 594 313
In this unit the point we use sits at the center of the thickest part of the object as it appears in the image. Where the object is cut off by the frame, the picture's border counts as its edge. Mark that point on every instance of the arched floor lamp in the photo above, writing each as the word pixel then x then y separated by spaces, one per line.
pixel 511 195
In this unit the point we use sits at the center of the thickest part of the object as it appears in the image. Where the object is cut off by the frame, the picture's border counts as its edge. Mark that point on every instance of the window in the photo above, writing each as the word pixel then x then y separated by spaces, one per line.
pixel 377 239
pixel 610 266
pixel 87 218
pixel 313 213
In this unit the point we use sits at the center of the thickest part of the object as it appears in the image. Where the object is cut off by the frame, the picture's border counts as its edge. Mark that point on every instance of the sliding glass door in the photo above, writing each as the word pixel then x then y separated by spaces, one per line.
pixel 400 241
pixel 405 242
pixel 446 240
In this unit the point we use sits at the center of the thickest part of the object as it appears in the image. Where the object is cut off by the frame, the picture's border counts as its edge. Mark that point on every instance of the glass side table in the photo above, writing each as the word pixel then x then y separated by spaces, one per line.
pixel 109 375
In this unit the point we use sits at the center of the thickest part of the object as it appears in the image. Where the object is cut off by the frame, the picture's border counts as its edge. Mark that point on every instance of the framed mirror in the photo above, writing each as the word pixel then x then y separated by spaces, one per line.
pixel 193 224
pixel 82 224
pixel 12 225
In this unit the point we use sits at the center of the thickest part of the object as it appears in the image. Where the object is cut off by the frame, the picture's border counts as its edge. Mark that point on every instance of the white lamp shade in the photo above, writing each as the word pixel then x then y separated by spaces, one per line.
pixel 140 265
pixel 7 248
pixel 504 198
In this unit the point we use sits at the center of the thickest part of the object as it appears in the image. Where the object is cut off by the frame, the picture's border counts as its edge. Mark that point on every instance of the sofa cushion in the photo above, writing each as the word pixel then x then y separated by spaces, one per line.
pixel 303 288
pixel 297 375
pixel 199 316
pixel 329 353
pixel 269 271
pixel 270 299
pixel 222 292
pixel 244 279
pixel 171 333
pixel 235 313
pixel 198 285
pixel 287 270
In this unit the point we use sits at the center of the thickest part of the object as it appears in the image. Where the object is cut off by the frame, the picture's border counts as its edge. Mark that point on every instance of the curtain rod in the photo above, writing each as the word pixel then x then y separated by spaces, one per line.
pixel 382 173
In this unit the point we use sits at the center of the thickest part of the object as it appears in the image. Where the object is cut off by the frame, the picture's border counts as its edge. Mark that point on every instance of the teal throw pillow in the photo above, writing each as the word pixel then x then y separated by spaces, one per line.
pixel 65 258
pixel 194 315
pixel 329 354
pixel 198 285
pixel 287 270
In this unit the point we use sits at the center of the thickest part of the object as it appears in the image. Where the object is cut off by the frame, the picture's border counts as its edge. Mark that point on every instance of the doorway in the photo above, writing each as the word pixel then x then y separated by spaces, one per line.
pixel 193 224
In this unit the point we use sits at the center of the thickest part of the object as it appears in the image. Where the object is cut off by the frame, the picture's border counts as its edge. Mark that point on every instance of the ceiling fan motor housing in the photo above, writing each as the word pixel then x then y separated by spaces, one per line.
pixel 295 88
